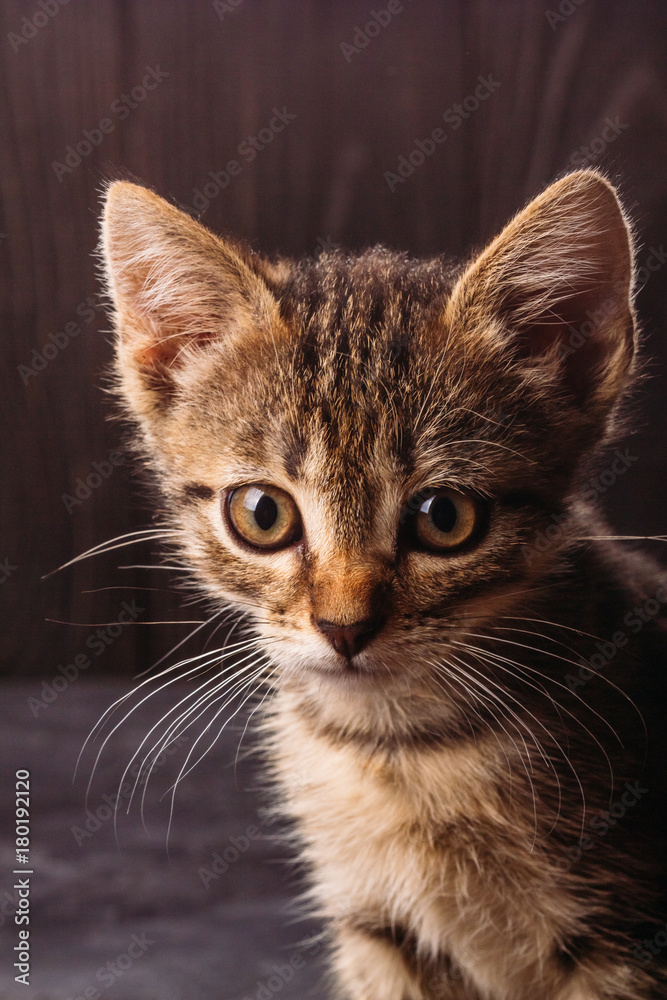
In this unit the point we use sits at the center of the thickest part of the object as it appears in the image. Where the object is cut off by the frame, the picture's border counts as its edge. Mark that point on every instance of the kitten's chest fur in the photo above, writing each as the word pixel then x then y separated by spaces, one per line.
pixel 424 849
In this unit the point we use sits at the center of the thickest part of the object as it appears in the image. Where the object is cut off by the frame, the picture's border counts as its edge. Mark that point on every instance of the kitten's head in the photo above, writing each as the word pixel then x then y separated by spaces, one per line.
pixel 362 450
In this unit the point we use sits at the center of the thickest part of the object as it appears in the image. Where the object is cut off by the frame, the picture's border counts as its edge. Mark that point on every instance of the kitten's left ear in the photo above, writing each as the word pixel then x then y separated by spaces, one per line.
pixel 176 288
pixel 553 291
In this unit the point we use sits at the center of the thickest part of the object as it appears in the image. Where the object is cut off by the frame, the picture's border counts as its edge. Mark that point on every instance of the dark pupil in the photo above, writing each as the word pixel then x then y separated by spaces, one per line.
pixel 443 514
pixel 266 512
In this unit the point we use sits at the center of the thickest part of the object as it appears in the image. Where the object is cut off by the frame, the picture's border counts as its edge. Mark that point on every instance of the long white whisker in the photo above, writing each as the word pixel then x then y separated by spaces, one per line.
pixel 149 680
pixel 575 653
pixel 185 770
pixel 621 538
pixel 183 641
pixel 218 683
pixel 509 694
pixel 143 535
pixel 552 680
pixel 494 698
pixel 496 659
pixel 228 690
pixel 478 654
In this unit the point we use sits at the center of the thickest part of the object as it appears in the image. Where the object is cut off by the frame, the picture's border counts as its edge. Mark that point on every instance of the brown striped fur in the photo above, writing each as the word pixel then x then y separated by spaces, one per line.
pixel 439 811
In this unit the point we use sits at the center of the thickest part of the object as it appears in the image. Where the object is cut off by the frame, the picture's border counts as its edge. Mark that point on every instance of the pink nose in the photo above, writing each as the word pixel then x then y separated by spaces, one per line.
pixel 348 640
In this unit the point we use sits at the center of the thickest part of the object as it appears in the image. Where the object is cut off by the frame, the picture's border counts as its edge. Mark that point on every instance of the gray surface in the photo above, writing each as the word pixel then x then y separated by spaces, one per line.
pixel 216 943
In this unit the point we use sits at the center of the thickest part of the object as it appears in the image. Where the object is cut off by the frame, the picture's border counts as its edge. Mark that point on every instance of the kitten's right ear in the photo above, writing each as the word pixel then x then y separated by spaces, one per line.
pixel 552 294
pixel 176 289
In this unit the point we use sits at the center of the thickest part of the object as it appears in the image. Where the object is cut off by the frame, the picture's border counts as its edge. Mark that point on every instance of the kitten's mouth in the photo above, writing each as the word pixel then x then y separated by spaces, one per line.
pixel 359 668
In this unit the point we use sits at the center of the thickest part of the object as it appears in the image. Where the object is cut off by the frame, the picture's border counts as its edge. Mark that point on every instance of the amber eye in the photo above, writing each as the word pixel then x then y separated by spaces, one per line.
pixel 443 520
pixel 264 516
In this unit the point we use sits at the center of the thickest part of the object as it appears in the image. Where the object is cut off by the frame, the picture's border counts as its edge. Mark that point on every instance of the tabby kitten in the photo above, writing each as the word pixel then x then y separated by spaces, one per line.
pixel 381 463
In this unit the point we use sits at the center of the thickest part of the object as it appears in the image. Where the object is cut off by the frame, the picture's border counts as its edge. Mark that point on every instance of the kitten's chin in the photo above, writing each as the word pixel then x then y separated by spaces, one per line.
pixel 361 669
pixel 367 704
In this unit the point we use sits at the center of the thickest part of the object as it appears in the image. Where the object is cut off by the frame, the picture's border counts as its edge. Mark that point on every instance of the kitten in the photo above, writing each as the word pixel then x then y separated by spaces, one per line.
pixel 381 463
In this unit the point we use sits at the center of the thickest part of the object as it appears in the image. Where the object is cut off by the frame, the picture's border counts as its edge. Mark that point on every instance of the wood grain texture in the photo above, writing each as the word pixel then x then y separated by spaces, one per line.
pixel 321 178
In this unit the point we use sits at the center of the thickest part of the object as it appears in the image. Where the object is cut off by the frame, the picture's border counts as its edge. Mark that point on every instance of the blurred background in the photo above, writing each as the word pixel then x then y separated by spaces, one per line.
pixel 327 111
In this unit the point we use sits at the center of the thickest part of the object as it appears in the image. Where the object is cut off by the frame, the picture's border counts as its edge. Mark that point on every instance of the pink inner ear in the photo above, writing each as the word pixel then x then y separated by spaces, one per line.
pixel 165 352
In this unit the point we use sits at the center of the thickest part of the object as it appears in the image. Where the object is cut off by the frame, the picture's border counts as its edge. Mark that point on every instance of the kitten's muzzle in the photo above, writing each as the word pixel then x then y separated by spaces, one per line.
pixel 348 640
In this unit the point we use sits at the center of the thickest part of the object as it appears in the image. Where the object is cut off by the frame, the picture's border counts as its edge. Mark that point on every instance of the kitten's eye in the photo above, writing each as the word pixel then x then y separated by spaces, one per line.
pixel 264 516
pixel 443 519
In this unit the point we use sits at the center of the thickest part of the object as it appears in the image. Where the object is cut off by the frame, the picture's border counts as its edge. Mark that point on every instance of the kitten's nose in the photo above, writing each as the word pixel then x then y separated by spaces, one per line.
pixel 348 640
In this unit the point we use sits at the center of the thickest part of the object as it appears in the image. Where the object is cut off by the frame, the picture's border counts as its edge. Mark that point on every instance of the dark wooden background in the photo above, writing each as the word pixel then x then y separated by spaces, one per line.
pixel 322 179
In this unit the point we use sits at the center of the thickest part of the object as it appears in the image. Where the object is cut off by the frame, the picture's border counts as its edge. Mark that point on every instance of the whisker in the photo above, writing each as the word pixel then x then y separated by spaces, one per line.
pixel 102 590
pixel 495 684
pixel 621 538
pixel 149 680
pixel 185 770
pixel 249 719
pixel 511 667
pixel 574 663
pixel 174 569
pixel 176 621
pixel 143 535
pixel 182 642
pixel 548 762
pixel 219 683
pixel 228 691
pixel 494 698
pixel 552 680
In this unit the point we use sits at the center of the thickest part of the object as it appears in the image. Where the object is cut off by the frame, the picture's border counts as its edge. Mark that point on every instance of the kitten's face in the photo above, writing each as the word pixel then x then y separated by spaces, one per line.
pixel 358 423
pixel 361 450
